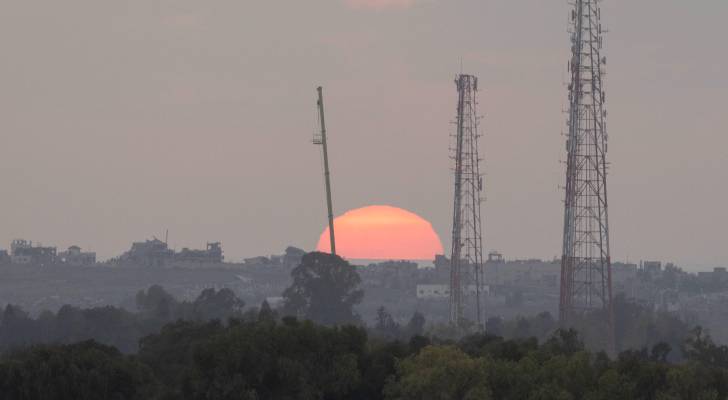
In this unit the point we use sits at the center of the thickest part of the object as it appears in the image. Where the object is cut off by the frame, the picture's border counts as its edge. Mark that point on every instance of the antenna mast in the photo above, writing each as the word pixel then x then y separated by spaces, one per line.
pixel 321 140
pixel 467 239
pixel 586 269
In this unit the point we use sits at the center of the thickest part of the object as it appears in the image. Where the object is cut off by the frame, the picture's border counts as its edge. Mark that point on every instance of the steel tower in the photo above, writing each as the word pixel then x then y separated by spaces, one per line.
pixel 466 269
pixel 586 281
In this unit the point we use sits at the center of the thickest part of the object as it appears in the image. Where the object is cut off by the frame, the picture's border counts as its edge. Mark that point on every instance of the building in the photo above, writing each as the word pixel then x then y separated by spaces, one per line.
pixel 256 261
pixel 652 268
pixel 433 291
pixel 23 252
pixel 719 275
pixel 211 255
pixel 149 253
pixel 495 257
pixel 522 273
pixel 76 258
pixel 442 263
pixel 395 266
pixel 441 291
pixel 156 253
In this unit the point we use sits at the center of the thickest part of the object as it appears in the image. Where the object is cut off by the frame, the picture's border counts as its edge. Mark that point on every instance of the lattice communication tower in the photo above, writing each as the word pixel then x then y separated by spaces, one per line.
pixel 466 268
pixel 586 280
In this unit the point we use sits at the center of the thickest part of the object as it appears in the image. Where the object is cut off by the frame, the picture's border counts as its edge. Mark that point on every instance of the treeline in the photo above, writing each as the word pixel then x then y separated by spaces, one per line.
pixel 316 347
pixel 324 289
pixel 635 327
pixel 114 326
pixel 291 359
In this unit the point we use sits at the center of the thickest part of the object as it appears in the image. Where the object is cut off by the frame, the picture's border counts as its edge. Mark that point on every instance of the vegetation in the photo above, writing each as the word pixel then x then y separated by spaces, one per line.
pixel 114 326
pixel 290 359
pixel 636 327
pixel 386 327
pixel 82 371
pixel 211 349
pixel 325 289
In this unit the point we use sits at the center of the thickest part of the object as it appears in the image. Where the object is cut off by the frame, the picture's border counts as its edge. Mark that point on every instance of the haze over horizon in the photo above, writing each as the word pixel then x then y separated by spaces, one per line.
pixel 123 119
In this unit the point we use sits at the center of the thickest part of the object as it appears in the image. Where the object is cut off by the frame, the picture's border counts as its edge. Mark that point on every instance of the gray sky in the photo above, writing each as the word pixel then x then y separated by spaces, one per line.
pixel 120 119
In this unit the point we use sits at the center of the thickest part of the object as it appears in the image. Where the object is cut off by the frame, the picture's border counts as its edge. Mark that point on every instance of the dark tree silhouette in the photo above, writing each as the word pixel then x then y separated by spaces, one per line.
pixel 266 313
pixel 267 359
pixel 82 371
pixel 416 325
pixel 222 304
pixel 325 289
pixel 385 325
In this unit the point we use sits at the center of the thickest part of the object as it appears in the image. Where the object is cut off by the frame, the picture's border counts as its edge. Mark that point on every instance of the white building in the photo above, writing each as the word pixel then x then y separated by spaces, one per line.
pixel 443 291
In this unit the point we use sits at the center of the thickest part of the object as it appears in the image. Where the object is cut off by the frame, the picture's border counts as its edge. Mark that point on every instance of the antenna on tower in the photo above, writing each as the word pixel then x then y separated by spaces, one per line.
pixel 321 140
pixel 466 262
pixel 586 270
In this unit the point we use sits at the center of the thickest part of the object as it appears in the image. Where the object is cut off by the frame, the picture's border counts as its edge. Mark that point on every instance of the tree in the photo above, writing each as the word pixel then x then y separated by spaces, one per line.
pixel 156 303
pixel 262 357
pixel 522 329
pixel 564 341
pixel 443 372
pixel 259 360
pixel 170 352
pixel 221 305
pixel 416 325
pixel 660 352
pixel 613 385
pixel 82 371
pixel 699 346
pixel 325 289
pixel 494 326
pixel 17 328
pixel 386 325
pixel 266 313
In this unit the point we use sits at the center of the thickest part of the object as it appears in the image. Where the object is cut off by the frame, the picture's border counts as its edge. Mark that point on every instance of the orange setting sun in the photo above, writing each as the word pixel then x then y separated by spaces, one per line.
pixel 382 233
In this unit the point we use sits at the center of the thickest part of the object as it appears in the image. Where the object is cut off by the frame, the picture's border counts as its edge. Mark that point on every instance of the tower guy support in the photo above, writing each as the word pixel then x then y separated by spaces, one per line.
pixel 321 140
pixel 586 280
pixel 466 268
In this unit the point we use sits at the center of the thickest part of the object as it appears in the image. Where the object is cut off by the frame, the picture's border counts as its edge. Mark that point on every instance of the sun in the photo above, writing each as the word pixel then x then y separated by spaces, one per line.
pixel 382 233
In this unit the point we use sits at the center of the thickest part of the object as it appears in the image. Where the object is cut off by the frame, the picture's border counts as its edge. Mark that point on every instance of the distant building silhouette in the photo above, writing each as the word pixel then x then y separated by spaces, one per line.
pixel 23 252
pixel 156 253
pixel 77 258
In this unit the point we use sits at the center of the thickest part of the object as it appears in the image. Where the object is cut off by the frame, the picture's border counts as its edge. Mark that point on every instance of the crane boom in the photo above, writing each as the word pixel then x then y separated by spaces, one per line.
pixel 327 177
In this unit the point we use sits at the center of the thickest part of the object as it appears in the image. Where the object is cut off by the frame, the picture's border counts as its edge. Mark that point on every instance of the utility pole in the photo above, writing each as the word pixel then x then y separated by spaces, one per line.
pixel 321 140
pixel 467 240
pixel 586 269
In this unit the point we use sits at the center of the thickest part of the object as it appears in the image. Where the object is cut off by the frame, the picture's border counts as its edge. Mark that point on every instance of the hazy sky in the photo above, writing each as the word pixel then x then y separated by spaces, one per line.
pixel 120 119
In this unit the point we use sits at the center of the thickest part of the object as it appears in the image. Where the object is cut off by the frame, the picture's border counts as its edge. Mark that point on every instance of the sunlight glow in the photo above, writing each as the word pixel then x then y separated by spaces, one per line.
pixel 382 233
